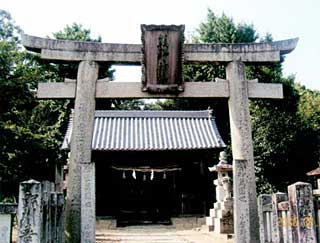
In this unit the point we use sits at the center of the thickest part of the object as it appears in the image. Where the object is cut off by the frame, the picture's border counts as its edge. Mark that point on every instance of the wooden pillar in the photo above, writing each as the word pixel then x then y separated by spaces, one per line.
pixel 246 223
pixel 80 153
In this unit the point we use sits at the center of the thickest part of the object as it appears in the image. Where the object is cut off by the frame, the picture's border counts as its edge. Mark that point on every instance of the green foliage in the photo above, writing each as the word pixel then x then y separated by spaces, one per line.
pixel 224 30
pixel 75 32
pixel 309 107
pixel 29 137
pixel 309 112
pixel 127 104
pixel 8 30
pixel 217 30
pixel 284 147
pixel 31 131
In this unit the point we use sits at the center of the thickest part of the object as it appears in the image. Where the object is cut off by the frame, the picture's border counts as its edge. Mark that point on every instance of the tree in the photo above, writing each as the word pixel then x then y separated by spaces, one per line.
pixel 309 107
pixel 28 143
pixel 31 130
pixel 77 32
pixel 286 140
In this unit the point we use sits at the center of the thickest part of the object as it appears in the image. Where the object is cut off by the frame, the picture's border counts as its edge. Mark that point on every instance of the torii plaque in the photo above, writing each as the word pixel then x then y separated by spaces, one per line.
pixel 162 60
pixel 80 207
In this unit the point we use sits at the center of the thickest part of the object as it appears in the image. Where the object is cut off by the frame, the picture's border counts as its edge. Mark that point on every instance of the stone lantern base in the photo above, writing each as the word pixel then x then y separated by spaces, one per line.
pixel 221 217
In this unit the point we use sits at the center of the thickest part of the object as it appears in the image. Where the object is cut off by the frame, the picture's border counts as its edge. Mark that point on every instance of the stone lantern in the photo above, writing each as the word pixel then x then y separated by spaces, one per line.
pixel 221 216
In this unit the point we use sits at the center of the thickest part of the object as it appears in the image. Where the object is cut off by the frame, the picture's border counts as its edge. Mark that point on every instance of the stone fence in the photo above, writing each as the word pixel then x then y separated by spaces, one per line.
pixel 291 217
pixel 40 213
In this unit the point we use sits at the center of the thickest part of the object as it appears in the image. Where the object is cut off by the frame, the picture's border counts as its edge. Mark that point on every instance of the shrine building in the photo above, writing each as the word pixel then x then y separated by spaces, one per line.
pixel 152 166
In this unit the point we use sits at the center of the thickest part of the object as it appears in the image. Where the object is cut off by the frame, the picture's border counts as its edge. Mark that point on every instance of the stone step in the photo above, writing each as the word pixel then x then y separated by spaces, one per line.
pixel 139 241
pixel 137 238
pixel 210 221
pixel 207 228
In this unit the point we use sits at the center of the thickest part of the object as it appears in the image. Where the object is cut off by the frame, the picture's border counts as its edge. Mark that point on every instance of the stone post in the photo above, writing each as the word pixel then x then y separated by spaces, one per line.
pixel 60 218
pixel 264 202
pixel 285 222
pixel 302 213
pixel 80 153
pixel 5 228
pixel 59 178
pixel 29 212
pixel 316 196
pixel 7 212
pixel 244 181
pixel 53 217
pixel 46 188
pixel 277 229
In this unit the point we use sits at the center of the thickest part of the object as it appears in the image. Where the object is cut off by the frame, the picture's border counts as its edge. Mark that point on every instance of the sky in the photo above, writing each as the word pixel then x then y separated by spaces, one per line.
pixel 118 21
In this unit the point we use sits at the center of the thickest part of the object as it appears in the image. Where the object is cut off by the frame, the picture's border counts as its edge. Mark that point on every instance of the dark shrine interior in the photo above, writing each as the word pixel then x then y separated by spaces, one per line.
pixel 187 191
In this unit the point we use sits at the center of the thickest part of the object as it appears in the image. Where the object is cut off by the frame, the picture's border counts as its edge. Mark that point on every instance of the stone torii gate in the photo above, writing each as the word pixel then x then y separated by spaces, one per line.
pixel 80 205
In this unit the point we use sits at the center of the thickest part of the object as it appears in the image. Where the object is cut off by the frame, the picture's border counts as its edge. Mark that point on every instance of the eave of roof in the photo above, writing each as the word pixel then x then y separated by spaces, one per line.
pixel 152 131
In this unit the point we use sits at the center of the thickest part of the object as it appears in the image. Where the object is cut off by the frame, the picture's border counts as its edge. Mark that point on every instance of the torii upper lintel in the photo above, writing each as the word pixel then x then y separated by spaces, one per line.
pixel 64 50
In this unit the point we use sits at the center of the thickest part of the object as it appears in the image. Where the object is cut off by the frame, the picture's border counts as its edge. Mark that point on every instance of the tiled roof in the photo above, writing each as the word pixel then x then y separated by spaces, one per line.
pixel 152 130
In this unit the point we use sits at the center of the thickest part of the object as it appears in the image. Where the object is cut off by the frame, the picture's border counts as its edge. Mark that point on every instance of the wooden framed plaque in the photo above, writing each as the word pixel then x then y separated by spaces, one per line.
pixel 162 62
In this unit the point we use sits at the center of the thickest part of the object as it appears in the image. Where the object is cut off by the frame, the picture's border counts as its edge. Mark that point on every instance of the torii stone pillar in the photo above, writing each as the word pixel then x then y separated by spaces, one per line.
pixel 244 180
pixel 80 205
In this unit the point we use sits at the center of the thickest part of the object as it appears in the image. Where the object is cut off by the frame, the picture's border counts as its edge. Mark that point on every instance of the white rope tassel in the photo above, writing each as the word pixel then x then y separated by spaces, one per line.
pixel 123 175
pixel 164 175
pixel 134 174
pixel 144 177
pixel 152 175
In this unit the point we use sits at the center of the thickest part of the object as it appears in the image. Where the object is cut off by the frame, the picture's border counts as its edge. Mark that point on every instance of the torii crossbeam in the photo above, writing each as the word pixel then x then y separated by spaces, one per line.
pixel 80 207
